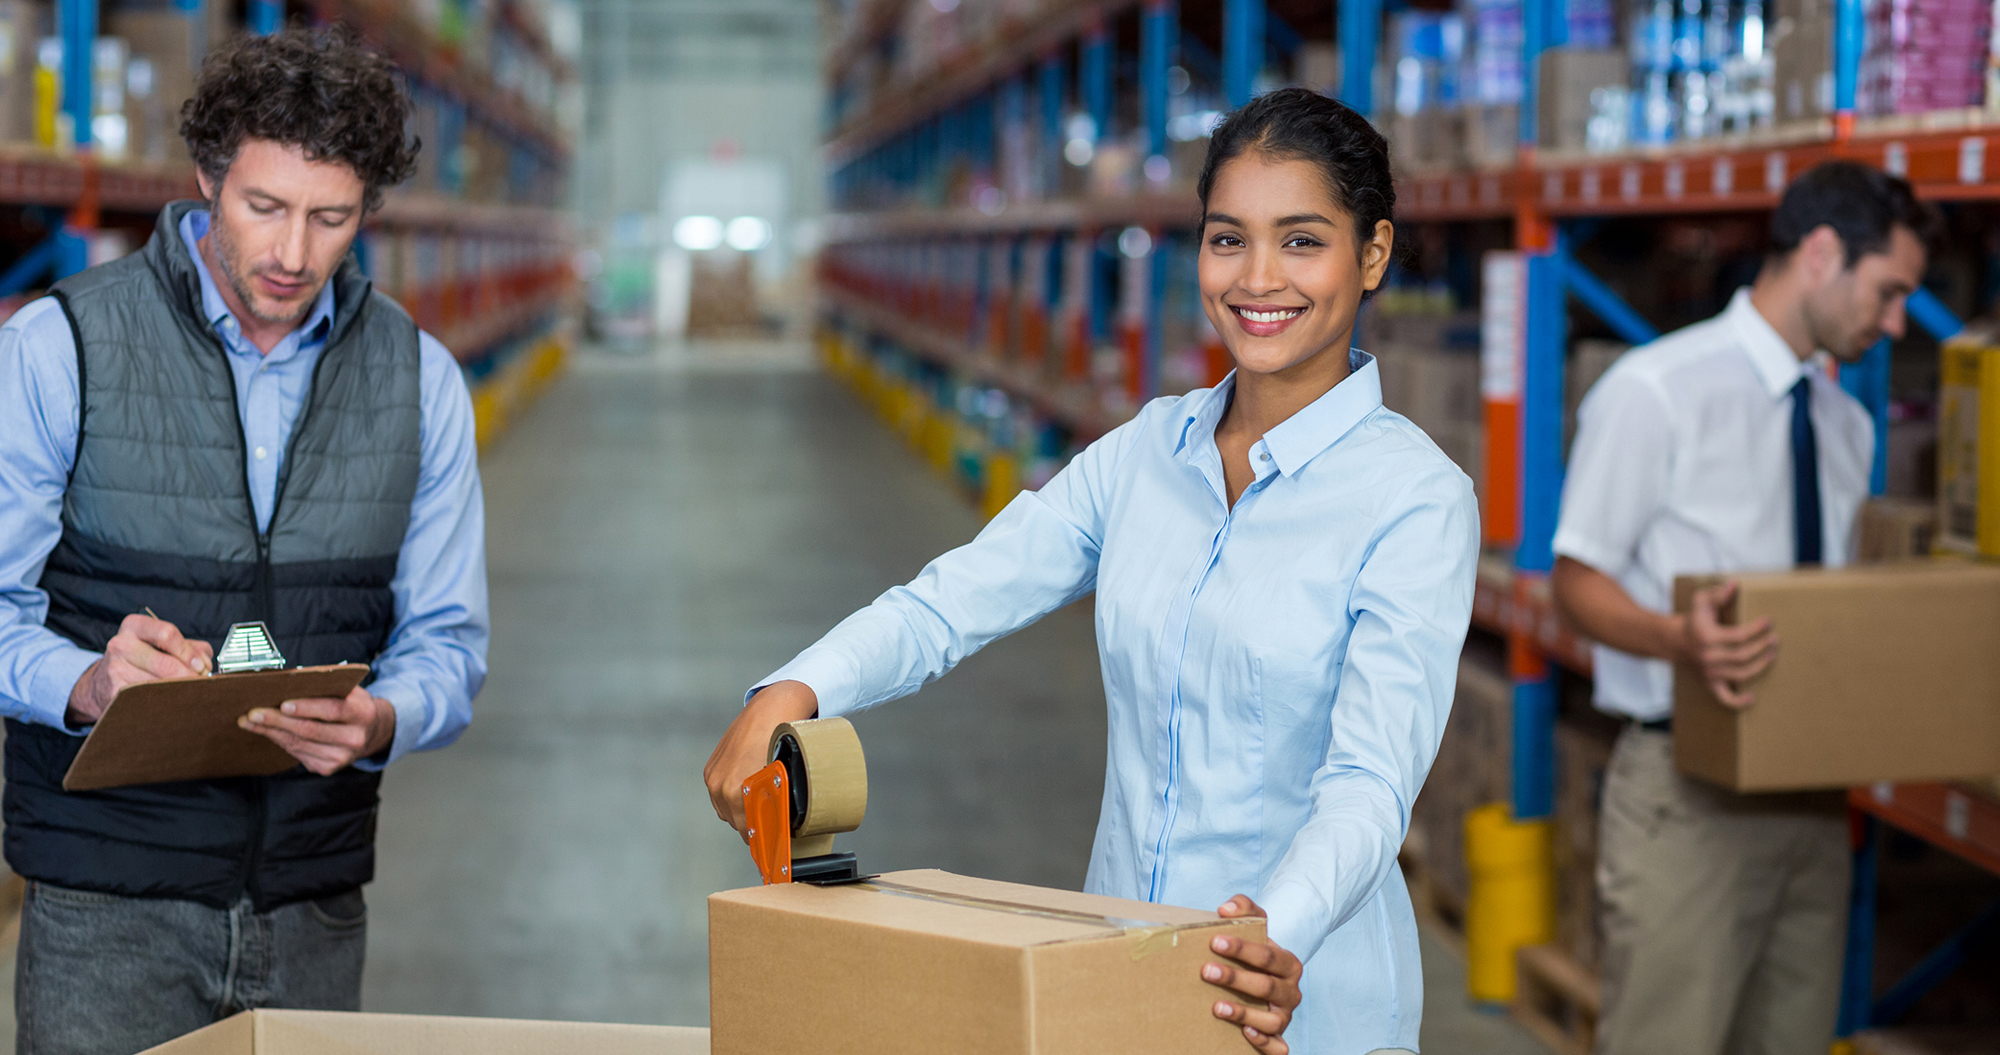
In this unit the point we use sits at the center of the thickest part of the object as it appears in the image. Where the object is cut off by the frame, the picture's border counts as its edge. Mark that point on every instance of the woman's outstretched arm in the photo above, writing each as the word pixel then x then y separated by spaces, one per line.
pixel 1038 555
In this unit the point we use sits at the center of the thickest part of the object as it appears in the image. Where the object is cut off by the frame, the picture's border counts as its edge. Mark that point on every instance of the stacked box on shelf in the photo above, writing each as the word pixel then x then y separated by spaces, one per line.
pixel 1429 365
pixel 23 24
pixel 1923 56
pixel 1473 767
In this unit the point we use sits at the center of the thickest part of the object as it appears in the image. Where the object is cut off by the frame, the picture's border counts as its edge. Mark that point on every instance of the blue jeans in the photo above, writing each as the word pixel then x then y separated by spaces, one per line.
pixel 98 974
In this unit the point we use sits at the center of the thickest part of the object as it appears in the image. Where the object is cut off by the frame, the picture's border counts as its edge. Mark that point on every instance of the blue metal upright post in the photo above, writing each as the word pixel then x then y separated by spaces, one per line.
pixel 78 19
pixel 1096 76
pixel 1857 982
pixel 1242 48
pixel 1156 54
pixel 1868 382
pixel 1541 492
pixel 1360 39
pixel 1847 44
pixel 266 16
pixel 79 40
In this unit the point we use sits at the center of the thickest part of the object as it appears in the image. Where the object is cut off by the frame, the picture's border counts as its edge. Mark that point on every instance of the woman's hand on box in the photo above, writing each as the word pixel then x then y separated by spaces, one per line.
pixel 1263 972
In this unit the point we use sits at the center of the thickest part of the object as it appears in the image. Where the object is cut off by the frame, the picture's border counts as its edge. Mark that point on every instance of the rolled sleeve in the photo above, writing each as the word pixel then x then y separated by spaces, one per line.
pixel 1619 471
pixel 435 661
pixel 1411 605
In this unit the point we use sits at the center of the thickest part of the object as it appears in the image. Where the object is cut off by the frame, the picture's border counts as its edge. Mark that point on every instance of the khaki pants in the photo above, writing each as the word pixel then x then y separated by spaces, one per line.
pixel 1725 915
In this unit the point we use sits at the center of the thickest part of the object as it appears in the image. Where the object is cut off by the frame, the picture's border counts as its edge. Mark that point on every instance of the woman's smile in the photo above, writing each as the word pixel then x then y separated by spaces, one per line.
pixel 1265 320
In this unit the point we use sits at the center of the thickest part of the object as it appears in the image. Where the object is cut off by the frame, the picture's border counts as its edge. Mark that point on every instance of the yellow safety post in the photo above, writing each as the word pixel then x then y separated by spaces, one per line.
pixel 1513 898
pixel 1003 482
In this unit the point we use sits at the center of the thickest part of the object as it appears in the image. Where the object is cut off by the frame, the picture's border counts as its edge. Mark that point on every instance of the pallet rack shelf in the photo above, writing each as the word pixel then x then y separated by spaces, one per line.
pixel 492 281
pixel 937 248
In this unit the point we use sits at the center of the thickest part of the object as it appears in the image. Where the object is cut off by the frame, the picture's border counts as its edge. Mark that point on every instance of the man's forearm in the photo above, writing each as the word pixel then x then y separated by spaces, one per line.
pixel 1600 609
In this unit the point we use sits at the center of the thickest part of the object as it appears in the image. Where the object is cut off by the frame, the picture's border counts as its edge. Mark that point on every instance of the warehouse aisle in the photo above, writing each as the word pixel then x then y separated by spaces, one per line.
pixel 663 530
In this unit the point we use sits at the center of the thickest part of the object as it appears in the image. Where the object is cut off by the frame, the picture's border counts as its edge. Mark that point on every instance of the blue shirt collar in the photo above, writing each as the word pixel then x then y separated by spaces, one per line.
pixel 1300 438
pixel 194 227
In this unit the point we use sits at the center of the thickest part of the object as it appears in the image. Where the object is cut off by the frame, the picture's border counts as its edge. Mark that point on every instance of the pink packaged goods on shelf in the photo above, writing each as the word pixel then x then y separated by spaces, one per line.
pixel 1922 55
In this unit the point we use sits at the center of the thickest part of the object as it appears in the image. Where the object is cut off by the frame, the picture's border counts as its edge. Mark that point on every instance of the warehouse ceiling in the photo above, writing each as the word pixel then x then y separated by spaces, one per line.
pixel 699 39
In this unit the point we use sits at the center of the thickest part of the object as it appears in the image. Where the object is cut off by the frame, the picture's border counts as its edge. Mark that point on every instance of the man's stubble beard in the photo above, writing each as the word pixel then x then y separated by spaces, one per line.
pixel 225 255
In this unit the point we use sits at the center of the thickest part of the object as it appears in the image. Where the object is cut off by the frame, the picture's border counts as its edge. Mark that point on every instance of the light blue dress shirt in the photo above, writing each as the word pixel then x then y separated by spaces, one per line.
pixel 1278 674
pixel 435 660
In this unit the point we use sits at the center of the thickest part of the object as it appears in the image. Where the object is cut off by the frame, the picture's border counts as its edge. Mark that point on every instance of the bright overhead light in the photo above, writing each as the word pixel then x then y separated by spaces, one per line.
pixel 747 233
pixel 698 233
pixel 1135 242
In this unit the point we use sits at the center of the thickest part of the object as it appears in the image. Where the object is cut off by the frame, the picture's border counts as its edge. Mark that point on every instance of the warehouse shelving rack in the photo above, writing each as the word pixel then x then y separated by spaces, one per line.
pixel 926 278
pixel 505 317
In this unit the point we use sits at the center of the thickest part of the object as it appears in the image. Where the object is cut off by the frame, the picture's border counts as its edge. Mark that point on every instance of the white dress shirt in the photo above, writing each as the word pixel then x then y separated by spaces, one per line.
pixel 1682 465
pixel 1277 674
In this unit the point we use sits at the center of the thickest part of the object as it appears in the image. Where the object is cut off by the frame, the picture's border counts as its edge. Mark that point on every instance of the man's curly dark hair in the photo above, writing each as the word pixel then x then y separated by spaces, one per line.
pixel 314 88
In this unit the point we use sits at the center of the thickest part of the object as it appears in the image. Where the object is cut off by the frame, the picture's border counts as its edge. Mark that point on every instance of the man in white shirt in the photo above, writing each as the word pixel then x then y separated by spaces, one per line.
pixel 1726 447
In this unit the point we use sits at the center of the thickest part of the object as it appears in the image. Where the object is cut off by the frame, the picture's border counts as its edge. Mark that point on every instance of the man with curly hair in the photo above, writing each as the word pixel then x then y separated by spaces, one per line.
pixel 229 425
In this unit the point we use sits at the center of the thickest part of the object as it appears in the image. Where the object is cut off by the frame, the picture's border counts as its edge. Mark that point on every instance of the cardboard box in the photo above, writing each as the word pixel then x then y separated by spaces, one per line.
pixel 985 967
pixel 341 1033
pixel 166 47
pixel 1802 55
pixel 1968 476
pixel 1893 529
pixel 1883 673
pixel 23 24
pixel 1568 76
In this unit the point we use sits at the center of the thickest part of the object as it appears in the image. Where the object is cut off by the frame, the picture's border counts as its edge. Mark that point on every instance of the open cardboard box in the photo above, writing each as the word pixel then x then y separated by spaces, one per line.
pixel 341 1033
pixel 927 961
pixel 1889 672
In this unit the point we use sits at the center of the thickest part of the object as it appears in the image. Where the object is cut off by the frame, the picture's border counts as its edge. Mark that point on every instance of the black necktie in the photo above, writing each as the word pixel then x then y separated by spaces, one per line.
pixel 1805 477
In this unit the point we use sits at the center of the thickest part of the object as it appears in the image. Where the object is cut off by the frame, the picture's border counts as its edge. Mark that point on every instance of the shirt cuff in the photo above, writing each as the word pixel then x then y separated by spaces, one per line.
pixel 51 683
pixel 1585 551
pixel 411 717
pixel 831 677
pixel 1296 920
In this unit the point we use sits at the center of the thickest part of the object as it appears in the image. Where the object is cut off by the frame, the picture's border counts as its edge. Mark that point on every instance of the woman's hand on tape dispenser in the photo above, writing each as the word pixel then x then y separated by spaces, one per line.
pixel 1260 970
pixel 746 746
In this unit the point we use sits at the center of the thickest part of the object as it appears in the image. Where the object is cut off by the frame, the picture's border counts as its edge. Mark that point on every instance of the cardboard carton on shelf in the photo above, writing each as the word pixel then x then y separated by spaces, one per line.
pixel 1968 465
pixel 1883 673
pixel 1802 56
pixel 1894 529
pixel 166 47
pixel 985 967
pixel 1568 76
pixel 341 1033
pixel 23 24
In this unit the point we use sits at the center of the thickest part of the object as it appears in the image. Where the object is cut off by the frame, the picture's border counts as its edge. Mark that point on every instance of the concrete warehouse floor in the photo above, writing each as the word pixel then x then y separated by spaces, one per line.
pixel 662 531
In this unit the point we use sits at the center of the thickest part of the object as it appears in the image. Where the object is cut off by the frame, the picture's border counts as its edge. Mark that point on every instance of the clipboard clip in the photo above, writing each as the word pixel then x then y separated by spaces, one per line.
pixel 248 647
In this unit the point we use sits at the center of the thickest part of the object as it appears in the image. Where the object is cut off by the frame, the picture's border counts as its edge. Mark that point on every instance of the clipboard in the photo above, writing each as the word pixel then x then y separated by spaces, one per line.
pixel 185 728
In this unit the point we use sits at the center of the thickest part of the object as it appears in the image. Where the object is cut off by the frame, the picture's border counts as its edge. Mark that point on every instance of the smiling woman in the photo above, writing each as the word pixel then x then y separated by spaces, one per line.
pixel 1296 232
pixel 1283 573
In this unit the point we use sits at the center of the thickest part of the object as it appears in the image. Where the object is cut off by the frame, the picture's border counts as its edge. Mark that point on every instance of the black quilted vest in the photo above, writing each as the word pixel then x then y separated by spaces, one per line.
pixel 158 515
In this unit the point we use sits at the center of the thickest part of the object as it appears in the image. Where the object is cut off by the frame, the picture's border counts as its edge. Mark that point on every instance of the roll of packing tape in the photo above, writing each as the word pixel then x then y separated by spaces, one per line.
pixel 829 776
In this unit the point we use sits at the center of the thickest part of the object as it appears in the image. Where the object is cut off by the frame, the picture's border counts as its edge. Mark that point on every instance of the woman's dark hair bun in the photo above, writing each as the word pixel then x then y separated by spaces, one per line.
pixel 1301 124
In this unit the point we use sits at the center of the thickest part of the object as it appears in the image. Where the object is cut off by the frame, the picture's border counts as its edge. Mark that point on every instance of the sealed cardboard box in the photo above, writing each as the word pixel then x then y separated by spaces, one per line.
pixel 927 961
pixel 342 1033
pixel 1883 673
